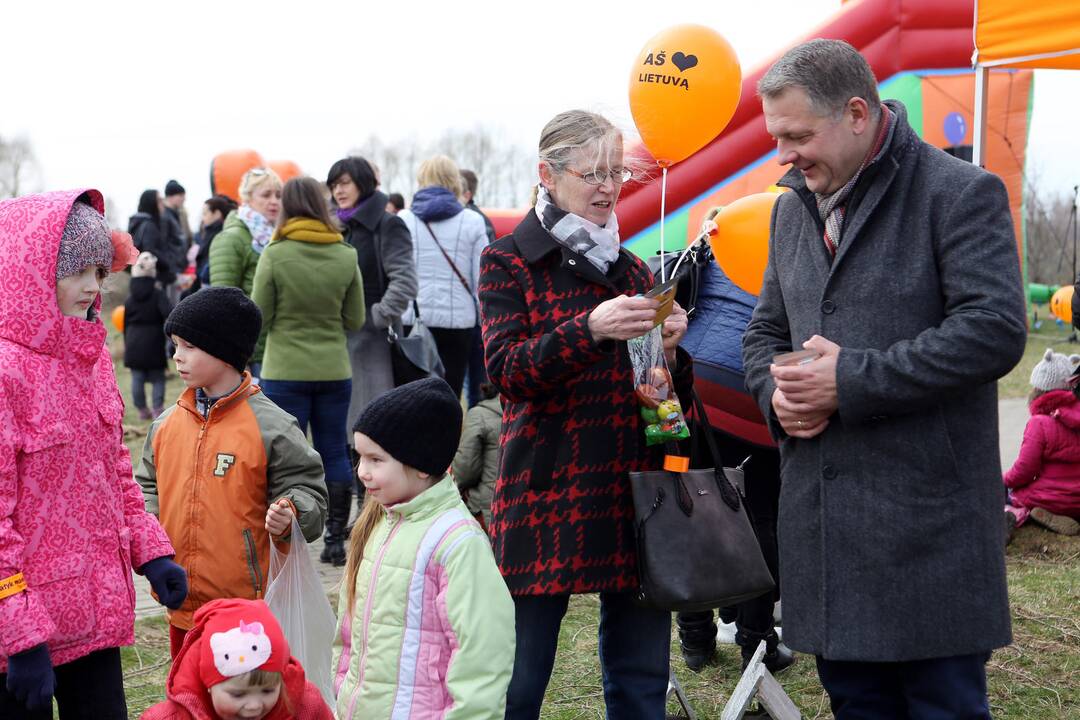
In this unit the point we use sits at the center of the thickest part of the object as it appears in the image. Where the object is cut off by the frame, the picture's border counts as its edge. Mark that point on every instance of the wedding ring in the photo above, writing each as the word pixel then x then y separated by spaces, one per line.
pixel 800 423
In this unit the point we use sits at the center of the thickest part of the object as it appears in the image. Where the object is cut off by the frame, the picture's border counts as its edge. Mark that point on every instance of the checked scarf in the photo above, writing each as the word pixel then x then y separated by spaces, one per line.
pixel 599 245
pixel 831 207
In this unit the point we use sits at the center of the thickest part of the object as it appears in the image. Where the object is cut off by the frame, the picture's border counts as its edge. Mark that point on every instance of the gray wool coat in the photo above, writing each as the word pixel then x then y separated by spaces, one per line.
pixel 890 525
pixel 384 251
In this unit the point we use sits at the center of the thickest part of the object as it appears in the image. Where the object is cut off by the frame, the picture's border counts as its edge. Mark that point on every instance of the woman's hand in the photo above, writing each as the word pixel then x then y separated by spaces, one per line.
pixel 622 318
pixel 673 331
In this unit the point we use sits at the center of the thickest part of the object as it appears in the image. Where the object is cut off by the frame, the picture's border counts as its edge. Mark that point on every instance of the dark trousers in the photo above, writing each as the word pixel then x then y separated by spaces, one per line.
pixel 634 656
pixel 453 348
pixel 139 378
pixel 325 406
pixel 477 372
pixel 951 688
pixel 90 688
pixel 762 478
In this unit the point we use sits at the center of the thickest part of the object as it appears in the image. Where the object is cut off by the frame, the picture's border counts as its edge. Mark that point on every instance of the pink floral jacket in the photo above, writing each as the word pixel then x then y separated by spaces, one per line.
pixel 72 519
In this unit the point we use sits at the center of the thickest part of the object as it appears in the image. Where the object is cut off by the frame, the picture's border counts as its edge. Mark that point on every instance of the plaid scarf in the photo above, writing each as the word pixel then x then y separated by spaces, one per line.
pixel 599 245
pixel 831 207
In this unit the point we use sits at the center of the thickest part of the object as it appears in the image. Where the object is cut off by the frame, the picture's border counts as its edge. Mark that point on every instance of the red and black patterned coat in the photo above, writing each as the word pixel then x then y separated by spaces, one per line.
pixel 562 515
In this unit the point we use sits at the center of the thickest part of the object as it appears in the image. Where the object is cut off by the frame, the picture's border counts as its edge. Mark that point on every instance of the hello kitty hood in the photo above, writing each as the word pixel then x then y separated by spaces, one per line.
pixel 230 638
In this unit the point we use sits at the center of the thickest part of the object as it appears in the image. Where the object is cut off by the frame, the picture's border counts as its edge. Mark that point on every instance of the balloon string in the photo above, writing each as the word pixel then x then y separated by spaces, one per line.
pixel 663 211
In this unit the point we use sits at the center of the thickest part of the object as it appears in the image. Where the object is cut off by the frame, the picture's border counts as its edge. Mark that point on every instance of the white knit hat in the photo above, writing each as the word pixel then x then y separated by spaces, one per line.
pixel 1053 371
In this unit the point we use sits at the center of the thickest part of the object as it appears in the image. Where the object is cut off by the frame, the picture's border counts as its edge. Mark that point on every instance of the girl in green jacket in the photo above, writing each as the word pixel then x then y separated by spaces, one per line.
pixel 427 623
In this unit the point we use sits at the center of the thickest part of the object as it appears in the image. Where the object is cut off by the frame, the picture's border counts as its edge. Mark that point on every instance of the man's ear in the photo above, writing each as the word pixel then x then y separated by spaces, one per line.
pixel 858 111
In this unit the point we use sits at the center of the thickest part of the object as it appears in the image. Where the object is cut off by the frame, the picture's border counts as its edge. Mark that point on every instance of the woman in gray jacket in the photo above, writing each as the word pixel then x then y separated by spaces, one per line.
pixel 384 251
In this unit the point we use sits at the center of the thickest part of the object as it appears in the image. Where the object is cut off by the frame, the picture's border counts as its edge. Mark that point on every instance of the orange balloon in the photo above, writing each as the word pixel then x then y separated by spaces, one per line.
pixel 117 317
pixel 286 169
pixel 1061 304
pixel 227 168
pixel 741 244
pixel 684 88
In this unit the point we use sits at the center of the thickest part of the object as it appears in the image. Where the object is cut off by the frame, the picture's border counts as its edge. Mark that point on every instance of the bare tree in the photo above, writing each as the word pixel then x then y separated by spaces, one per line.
pixel 503 167
pixel 1050 235
pixel 18 167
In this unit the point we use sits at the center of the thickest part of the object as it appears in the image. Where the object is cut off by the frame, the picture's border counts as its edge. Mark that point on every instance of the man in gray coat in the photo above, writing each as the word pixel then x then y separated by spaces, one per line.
pixel 897 266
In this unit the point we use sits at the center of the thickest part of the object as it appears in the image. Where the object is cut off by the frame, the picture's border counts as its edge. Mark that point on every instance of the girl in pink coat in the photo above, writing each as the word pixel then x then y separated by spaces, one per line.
pixel 1044 482
pixel 72 520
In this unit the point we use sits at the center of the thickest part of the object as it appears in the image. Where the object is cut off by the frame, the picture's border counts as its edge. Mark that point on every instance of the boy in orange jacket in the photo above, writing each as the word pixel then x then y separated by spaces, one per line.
pixel 225 468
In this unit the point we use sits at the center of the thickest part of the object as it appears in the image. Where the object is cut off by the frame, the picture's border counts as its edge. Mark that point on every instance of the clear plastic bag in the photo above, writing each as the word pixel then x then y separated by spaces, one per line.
pixel 297 599
pixel 655 390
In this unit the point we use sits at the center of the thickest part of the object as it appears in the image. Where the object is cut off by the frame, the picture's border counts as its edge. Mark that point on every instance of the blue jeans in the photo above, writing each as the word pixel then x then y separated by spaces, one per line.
pixel 139 378
pixel 325 406
pixel 937 689
pixel 635 644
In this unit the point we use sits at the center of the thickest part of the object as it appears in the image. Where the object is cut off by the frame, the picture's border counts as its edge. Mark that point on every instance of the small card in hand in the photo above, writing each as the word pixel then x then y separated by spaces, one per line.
pixel 799 357
pixel 665 293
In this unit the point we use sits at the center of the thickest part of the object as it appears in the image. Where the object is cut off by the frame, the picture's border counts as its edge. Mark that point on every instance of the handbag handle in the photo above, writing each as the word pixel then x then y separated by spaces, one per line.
pixel 727 490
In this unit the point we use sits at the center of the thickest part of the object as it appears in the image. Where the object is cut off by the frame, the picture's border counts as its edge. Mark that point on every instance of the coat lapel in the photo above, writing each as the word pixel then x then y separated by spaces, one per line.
pixel 880 185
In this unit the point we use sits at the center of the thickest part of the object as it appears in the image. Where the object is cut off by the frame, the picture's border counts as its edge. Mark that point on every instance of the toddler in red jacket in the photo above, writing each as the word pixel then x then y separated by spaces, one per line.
pixel 235 663
pixel 1044 482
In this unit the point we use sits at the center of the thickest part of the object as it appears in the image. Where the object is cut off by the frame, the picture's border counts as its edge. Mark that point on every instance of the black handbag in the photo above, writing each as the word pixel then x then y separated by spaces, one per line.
pixel 414 356
pixel 696 548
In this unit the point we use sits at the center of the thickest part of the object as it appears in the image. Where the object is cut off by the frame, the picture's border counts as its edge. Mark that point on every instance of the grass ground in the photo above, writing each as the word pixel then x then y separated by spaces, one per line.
pixel 1038 676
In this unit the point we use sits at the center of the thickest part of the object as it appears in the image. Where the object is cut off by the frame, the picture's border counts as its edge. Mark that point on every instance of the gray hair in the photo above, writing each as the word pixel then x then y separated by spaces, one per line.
pixel 831 72
pixel 579 129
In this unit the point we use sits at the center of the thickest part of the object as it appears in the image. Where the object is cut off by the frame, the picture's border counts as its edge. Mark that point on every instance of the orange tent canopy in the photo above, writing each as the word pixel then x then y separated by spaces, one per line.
pixel 1027 33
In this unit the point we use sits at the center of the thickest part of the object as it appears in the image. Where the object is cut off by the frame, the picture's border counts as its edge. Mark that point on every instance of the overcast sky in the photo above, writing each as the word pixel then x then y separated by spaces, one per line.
pixel 124 96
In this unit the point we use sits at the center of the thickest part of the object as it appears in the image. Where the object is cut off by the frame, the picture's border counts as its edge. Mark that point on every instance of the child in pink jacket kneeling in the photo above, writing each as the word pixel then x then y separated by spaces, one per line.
pixel 72 520
pixel 1044 482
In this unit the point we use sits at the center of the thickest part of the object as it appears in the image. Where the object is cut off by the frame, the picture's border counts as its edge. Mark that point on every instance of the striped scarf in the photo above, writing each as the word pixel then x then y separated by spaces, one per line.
pixel 831 207
pixel 599 245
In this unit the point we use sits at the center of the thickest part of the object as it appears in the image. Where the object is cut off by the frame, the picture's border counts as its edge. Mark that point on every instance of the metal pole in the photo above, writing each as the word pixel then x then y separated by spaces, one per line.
pixel 982 95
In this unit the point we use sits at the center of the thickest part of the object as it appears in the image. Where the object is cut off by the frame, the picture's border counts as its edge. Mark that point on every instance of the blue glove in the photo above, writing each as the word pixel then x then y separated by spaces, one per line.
pixel 168 580
pixel 30 677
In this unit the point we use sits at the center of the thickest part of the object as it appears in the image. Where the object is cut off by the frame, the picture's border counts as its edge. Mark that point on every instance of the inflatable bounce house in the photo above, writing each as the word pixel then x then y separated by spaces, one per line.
pixel 921 51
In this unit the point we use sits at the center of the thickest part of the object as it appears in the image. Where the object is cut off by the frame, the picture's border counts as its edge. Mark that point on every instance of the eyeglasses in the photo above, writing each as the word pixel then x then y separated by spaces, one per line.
pixel 599 177
pixel 257 172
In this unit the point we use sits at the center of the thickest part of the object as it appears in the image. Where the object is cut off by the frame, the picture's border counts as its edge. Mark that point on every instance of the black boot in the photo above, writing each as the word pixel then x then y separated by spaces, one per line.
pixel 777 655
pixel 337 515
pixel 697 638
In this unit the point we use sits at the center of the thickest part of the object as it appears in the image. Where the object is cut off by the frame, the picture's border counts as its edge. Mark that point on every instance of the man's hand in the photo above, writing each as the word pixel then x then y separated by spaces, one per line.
pixel 805 396
pixel 798 420
pixel 812 386
pixel 279 518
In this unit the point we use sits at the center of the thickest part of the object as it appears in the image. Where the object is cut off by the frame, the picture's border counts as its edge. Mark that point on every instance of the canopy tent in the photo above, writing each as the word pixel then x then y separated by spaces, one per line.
pixel 1020 34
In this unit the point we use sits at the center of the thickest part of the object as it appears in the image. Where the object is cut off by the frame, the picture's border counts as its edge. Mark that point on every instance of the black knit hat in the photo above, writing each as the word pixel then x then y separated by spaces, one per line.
pixel 419 424
pixel 221 321
pixel 174 188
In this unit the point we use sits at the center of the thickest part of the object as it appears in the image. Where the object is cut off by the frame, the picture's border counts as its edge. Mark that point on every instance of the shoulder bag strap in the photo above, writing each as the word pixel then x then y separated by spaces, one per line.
pixel 464 282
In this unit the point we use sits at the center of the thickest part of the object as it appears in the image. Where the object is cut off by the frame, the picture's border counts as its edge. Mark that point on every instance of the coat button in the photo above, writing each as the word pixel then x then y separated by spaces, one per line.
pixel 828 472
pixel 828 307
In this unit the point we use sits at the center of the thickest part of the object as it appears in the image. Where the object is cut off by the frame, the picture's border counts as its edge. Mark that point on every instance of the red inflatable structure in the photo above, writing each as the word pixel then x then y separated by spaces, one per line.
pixel 893 35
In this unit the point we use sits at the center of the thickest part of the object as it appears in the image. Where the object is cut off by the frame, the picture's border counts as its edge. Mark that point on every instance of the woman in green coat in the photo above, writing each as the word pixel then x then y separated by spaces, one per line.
pixel 235 251
pixel 309 288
